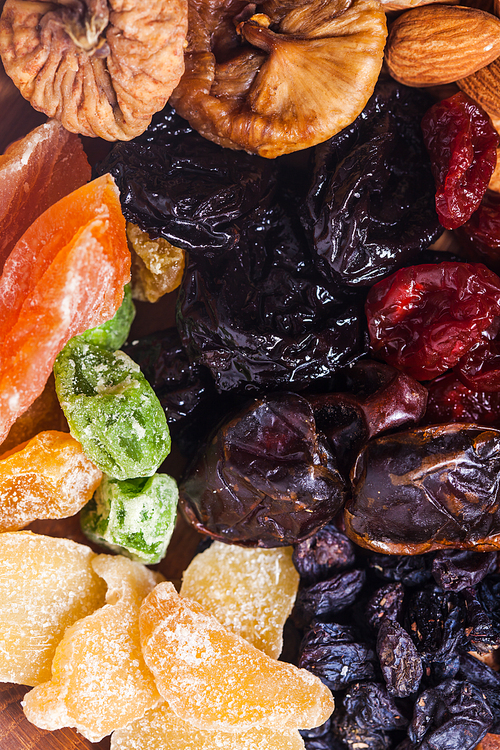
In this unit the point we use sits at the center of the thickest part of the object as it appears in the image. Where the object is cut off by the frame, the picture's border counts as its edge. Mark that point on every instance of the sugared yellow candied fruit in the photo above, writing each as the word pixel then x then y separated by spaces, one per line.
pixel 215 679
pixel 47 477
pixel 46 585
pixel 99 679
pixel 249 591
pixel 160 729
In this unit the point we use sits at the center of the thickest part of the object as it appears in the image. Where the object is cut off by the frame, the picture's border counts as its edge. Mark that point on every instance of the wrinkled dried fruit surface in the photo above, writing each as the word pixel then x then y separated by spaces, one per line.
pixel 272 78
pixel 452 401
pixel 480 236
pixel 102 68
pixel 48 477
pixel 370 205
pixel 249 591
pixel 157 265
pixel 322 554
pixel 99 680
pixel 266 479
pixel 326 598
pixel 48 584
pixel 400 662
pixel 216 680
pixel 427 489
pixel 462 144
pixel 36 172
pixel 423 319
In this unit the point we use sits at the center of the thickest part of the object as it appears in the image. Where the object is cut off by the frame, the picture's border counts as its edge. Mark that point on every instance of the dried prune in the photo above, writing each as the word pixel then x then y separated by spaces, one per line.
pixel 266 479
pixel 427 489
pixel 324 553
pixel 177 185
pixel 453 715
pixel 259 316
pixel 462 144
pixel 455 570
pixel 370 207
pixel 325 598
pixel 423 319
pixel 370 706
pixel 400 662
pixel 333 653
pixel 451 401
pixel 386 603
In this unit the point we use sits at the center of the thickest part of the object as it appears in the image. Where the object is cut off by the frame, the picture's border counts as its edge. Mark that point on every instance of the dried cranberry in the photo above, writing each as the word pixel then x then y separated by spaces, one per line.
pixel 452 401
pixel 480 236
pixel 480 367
pixel 423 319
pixel 462 144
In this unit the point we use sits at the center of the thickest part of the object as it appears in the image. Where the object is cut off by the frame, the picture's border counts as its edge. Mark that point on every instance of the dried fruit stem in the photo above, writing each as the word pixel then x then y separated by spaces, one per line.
pixel 85 21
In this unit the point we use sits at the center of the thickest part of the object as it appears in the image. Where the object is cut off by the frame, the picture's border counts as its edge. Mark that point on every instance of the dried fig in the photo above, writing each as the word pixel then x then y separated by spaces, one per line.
pixel 276 77
pixel 101 67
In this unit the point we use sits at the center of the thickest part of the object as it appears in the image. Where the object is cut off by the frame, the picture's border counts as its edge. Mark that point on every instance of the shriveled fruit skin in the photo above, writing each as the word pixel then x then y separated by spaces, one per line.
pixel 99 679
pixel 36 172
pixel 47 584
pixel 250 591
pixel 157 265
pixel 160 728
pixel 48 289
pixel 48 477
pixel 215 679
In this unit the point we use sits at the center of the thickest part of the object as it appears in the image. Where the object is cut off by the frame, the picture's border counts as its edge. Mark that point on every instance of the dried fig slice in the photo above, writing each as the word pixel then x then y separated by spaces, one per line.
pixel 101 67
pixel 272 78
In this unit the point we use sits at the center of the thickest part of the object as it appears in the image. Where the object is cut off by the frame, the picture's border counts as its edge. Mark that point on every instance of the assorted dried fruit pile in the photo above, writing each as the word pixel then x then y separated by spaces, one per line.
pixel 331 232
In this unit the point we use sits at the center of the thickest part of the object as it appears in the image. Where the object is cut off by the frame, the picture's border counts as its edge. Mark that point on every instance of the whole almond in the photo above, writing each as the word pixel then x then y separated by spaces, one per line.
pixel 484 87
pixel 437 44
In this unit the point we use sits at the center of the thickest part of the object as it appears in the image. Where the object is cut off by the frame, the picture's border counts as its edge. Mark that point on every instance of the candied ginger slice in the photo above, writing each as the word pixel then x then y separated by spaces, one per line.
pixel 36 172
pixel 160 729
pixel 214 679
pixel 48 477
pixel 250 591
pixel 100 681
pixel 46 585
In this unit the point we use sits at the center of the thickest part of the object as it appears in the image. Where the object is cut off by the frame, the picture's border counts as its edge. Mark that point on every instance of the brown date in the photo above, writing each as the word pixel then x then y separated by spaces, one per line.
pixel 427 489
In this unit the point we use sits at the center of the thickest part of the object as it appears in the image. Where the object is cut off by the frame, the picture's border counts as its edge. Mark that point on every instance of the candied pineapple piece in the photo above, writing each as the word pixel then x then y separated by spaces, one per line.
pixel 48 477
pixel 157 266
pixel 214 679
pixel 250 591
pixel 160 729
pixel 46 585
pixel 99 679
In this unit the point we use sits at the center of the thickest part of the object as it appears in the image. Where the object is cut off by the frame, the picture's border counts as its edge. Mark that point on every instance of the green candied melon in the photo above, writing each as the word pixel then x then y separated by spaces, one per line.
pixel 135 517
pixel 113 333
pixel 111 410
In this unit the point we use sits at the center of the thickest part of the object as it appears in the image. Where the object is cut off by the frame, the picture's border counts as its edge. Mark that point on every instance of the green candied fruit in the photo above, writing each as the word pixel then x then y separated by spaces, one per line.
pixel 111 410
pixel 135 517
pixel 113 333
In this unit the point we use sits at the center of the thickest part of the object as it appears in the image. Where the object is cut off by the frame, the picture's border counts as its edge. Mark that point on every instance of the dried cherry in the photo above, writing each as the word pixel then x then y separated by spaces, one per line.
pixel 480 236
pixel 266 479
pixel 462 144
pixel 370 206
pixel 449 400
pixel 479 369
pixel 423 319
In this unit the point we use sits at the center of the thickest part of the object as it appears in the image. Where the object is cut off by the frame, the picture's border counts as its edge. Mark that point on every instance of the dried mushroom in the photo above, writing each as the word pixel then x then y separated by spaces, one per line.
pixel 273 78
pixel 101 68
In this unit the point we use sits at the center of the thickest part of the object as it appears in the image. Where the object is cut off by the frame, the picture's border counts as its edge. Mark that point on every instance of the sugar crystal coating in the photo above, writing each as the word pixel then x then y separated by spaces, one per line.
pixel 249 591
pixel 99 679
pixel 113 333
pixel 46 585
pixel 215 679
pixel 47 477
pixel 135 516
pixel 160 729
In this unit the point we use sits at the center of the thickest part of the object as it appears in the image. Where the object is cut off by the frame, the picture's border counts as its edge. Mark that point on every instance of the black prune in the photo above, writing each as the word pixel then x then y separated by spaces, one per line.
pixel 455 570
pixel 386 602
pixel 452 716
pixel 322 554
pixel 266 479
pixel 332 653
pixel 325 598
pixel 370 207
pixel 370 706
pixel 260 317
pixel 399 660
pixel 175 184
pixel 427 489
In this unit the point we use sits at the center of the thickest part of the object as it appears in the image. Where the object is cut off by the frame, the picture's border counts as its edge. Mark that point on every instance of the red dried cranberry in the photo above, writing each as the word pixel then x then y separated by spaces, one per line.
pixel 462 144
pixel 452 401
pixel 480 236
pixel 480 368
pixel 423 319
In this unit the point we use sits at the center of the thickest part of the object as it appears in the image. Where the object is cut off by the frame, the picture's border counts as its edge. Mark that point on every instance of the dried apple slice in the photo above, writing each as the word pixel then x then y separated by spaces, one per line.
pixel 303 73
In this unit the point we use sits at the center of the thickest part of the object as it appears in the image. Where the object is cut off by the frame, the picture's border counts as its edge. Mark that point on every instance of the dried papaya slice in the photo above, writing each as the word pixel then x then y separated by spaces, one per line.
pixel 66 274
